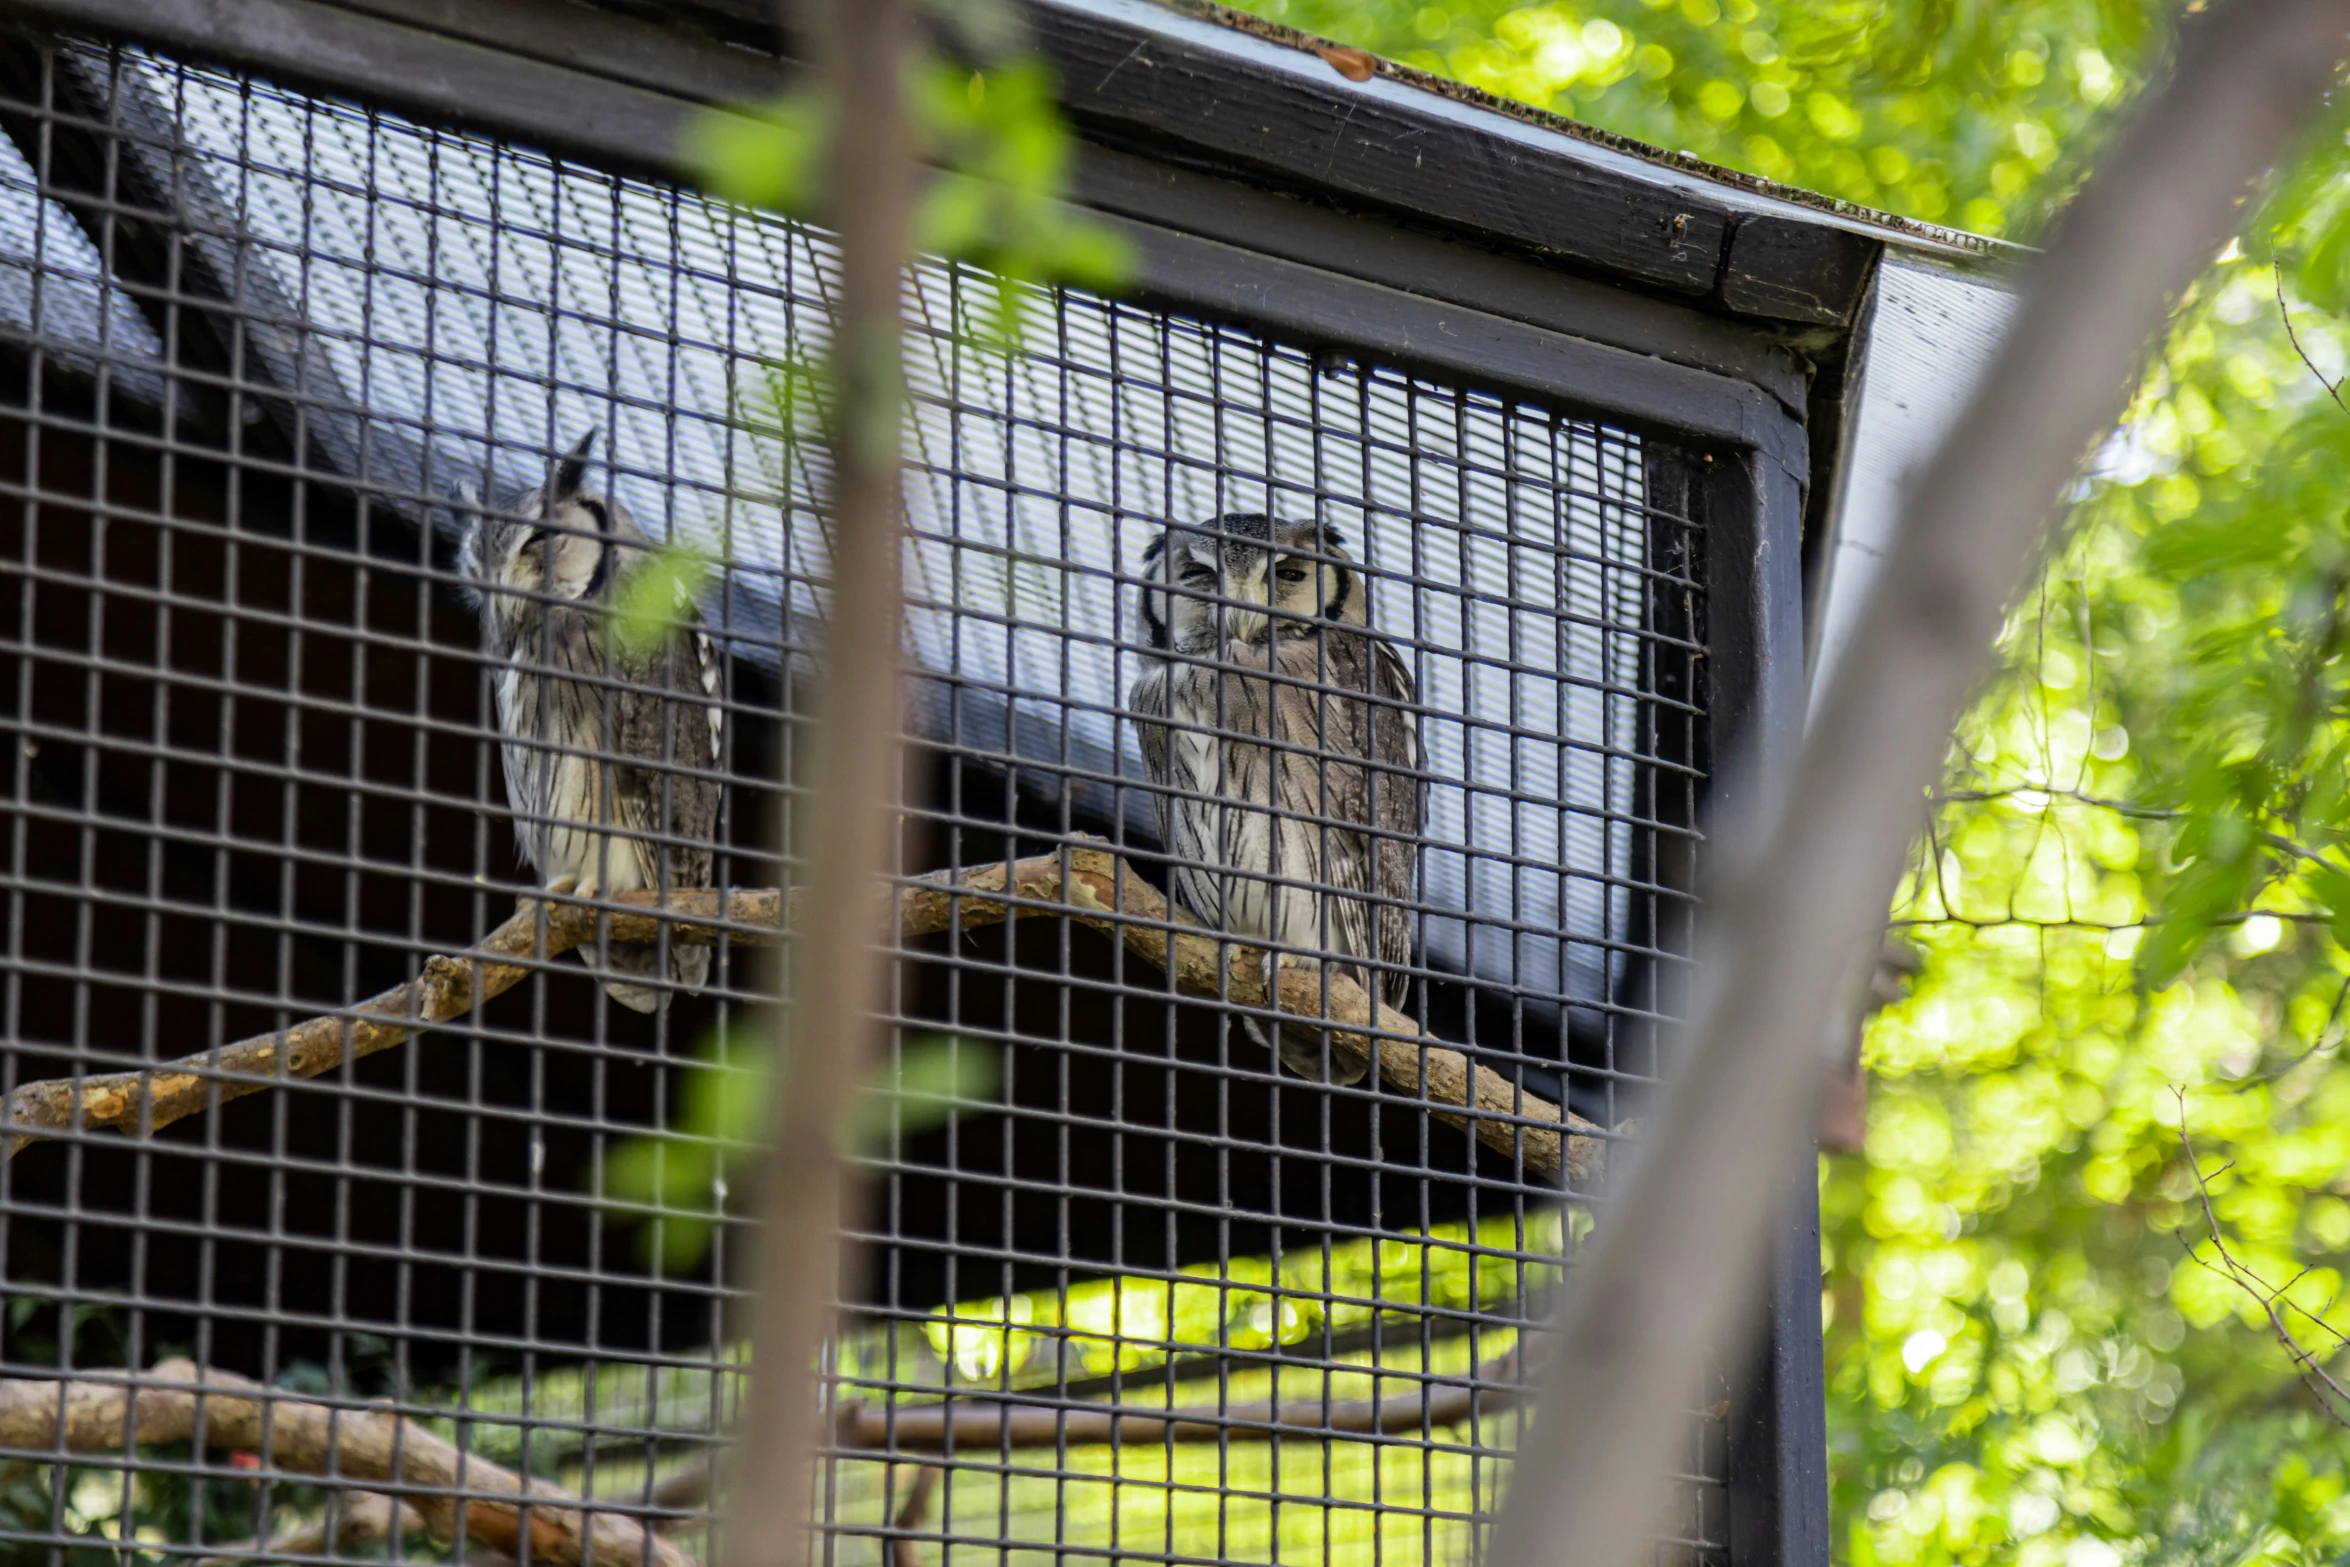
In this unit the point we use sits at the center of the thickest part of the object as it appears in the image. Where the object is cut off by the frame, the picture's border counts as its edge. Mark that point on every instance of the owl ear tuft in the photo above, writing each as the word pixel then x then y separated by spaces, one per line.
pixel 570 472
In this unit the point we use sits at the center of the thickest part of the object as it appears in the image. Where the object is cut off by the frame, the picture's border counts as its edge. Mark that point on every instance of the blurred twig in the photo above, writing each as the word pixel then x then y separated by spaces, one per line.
pixel 2333 389
pixel 913 1516
pixel 2331 1396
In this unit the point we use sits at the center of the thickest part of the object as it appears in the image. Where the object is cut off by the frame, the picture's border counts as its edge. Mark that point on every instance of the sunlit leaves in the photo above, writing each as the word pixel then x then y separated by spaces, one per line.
pixel 2025 1092
pixel 1955 111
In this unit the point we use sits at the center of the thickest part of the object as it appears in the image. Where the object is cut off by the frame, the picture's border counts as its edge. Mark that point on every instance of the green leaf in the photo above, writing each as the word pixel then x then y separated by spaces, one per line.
pixel 935 1078
pixel 658 598
pixel 2323 276
pixel 2215 885
pixel 723 1107
pixel 2330 885
pixel 727 1100
pixel 771 155
pixel 1095 256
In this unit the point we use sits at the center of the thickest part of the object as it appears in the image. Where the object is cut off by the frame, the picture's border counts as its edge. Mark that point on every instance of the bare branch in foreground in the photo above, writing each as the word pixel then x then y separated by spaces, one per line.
pixel 2331 1396
pixel 455 1493
pixel 1678 1258
pixel 1091 886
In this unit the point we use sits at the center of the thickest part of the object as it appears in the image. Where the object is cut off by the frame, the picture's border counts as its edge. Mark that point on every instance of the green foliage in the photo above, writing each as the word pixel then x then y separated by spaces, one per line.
pixel 998 155
pixel 1005 157
pixel 2137 878
pixel 2131 887
pixel 1967 112
pixel 681 1174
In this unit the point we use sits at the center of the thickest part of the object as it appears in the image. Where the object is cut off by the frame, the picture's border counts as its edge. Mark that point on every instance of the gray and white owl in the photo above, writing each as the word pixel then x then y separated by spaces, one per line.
pixel 1279 729
pixel 611 752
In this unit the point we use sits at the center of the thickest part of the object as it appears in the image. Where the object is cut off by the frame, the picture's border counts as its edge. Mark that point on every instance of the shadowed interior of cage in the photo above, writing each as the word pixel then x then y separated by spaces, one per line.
pixel 1127 1284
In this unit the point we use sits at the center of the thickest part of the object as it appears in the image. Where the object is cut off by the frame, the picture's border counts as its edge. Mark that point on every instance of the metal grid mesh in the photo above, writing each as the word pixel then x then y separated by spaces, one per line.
pixel 256 345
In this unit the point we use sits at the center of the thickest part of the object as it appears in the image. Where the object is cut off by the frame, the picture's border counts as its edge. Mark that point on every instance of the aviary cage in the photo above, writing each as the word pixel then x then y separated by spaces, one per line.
pixel 282 283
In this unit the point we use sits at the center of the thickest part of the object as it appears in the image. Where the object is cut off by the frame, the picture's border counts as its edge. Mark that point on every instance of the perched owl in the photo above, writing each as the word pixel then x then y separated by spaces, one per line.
pixel 1280 730
pixel 611 753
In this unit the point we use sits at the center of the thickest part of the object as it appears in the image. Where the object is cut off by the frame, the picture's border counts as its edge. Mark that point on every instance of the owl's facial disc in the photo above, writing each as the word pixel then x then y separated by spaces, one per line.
pixel 1243 589
pixel 577 550
pixel 1298 594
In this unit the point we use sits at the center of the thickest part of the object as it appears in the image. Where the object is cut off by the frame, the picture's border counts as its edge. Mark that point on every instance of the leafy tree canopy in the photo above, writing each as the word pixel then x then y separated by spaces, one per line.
pixel 2133 891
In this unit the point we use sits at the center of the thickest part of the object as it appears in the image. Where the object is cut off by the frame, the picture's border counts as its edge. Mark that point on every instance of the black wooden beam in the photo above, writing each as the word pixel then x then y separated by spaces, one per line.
pixel 1776 266
pixel 1174 88
pixel 1381 142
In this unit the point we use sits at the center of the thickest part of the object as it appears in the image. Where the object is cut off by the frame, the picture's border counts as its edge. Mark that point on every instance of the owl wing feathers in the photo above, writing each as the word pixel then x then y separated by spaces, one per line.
pixel 1330 794
pixel 1147 701
pixel 1399 809
pixel 668 809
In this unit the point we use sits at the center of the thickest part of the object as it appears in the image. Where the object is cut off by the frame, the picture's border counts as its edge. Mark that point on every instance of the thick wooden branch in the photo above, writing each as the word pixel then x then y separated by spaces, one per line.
pixel 1091 886
pixel 454 1493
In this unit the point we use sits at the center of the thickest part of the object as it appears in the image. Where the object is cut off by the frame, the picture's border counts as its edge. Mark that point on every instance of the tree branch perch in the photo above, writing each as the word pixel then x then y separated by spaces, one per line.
pixel 452 1491
pixel 1092 886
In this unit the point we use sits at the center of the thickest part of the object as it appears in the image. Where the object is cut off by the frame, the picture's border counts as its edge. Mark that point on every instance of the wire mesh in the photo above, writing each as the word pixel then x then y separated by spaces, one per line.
pixel 1125 1286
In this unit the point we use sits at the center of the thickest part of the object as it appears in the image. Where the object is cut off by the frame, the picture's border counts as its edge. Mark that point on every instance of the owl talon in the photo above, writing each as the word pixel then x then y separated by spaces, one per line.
pixel 558 888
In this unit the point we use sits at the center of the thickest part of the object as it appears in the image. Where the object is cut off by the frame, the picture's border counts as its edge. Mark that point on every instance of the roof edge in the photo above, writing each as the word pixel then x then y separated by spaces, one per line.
pixel 1948 245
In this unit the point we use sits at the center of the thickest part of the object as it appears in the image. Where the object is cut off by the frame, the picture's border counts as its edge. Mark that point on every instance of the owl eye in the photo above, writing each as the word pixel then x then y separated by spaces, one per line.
pixel 1198 577
pixel 1291 574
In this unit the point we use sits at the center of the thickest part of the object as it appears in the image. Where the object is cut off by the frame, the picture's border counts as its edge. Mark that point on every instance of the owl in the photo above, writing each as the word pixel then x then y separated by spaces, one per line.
pixel 1279 730
pixel 611 751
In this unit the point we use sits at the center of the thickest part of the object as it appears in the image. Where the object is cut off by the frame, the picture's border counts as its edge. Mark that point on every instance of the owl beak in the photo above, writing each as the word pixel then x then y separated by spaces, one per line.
pixel 1245 619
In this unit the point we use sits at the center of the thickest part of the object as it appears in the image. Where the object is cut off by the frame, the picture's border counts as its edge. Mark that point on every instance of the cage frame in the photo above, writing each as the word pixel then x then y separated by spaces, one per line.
pixel 1261 186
